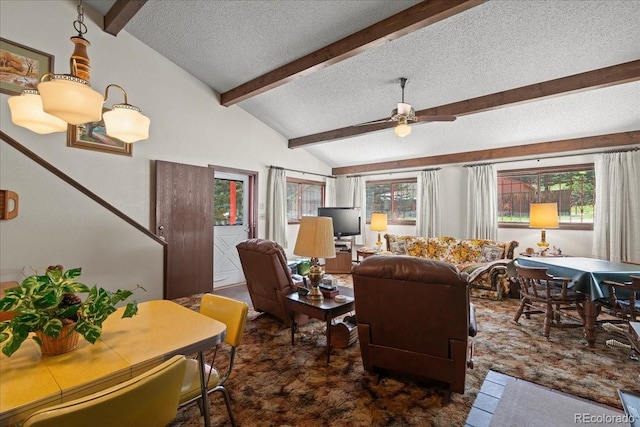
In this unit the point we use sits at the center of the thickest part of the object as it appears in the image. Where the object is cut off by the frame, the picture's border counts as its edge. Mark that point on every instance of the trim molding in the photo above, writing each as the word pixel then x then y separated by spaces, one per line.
pixel 537 149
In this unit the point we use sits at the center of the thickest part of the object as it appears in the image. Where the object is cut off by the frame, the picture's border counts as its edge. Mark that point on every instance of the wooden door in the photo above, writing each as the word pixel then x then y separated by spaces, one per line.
pixel 184 219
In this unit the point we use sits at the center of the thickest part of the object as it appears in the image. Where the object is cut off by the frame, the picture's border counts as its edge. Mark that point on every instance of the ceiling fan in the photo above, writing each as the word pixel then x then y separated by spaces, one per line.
pixel 405 114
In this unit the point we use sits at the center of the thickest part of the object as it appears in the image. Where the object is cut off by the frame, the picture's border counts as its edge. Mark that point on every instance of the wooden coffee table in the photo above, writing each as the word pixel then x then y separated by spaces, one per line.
pixel 326 310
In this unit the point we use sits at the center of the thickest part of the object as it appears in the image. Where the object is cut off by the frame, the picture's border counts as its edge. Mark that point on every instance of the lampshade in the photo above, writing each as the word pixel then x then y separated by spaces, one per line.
pixel 315 238
pixel 378 221
pixel 71 99
pixel 26 111
pixel 402 130
pixel 543 215
pixel 126 123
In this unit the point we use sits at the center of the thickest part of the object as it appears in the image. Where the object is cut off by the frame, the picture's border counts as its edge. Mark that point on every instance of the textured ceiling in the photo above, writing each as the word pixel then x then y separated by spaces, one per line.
pixel 496 46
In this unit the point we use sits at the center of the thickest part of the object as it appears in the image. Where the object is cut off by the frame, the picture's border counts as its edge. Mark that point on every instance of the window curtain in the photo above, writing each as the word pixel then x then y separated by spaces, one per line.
pixel 616 229
pixel 482 202
pixel 357 198
pixel 330 192
pixel 276 226
pixel 428 203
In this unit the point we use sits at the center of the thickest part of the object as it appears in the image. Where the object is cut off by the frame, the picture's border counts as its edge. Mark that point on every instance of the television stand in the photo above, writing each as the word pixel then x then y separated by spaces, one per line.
pixel 341 264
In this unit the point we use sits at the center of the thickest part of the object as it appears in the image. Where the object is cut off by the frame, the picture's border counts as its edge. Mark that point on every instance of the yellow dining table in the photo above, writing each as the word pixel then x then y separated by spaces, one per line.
pixel 126 348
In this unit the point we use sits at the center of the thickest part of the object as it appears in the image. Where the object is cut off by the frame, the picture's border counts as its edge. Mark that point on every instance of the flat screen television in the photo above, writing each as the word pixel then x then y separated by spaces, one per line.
pixel 346 221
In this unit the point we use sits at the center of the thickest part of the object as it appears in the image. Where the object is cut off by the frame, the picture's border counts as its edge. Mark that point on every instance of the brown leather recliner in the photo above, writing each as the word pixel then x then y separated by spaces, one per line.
pixel 268 278
pixel 414 319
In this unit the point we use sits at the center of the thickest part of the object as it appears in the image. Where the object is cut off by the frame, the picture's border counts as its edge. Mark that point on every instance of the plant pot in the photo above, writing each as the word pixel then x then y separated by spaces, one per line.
pixel 66 341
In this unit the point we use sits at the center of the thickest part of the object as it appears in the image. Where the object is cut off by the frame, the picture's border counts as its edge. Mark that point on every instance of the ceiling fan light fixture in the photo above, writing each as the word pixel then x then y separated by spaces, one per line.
pixel 404 109
pixel 402 130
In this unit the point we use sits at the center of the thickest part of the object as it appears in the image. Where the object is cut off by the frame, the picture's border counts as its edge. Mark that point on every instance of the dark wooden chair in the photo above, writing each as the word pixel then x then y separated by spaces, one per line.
pixel 623 300
pixel 545 294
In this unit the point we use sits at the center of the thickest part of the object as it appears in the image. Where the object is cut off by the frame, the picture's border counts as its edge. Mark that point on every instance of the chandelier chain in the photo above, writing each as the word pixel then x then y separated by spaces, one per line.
pixel 78 24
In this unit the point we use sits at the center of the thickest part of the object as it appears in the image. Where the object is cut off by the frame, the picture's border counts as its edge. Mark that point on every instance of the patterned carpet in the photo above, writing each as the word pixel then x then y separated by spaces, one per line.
pixel 276 384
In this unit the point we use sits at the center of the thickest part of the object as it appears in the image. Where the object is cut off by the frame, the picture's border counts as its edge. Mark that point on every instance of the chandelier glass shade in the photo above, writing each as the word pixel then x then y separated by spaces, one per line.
pixel 27 112
pixel 63 99
pixel 71 99
pixel 125 122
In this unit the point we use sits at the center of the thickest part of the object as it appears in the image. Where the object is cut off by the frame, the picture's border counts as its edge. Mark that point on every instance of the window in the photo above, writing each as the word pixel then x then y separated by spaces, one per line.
pixel 227 200
pixel 572 187
pixel 396 198
pixel 303 198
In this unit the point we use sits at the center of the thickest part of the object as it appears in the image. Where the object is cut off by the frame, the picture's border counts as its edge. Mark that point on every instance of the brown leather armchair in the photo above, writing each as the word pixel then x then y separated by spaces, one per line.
pixel 268 277
pixel 414 319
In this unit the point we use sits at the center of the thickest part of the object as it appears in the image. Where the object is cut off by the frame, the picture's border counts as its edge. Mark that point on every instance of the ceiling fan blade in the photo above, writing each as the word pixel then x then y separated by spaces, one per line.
pixel 435 118
pixel 375 122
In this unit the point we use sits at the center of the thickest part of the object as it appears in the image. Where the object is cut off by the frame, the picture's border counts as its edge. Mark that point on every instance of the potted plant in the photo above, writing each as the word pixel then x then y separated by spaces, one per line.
pixel 49 306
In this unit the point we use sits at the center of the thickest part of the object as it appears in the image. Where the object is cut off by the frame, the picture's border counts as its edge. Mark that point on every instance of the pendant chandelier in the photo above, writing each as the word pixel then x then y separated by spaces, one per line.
pixel 63 99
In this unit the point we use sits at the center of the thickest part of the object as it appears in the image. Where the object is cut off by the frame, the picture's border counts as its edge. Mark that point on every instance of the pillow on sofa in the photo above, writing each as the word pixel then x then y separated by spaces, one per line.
pixel 399 247
pixel 490 253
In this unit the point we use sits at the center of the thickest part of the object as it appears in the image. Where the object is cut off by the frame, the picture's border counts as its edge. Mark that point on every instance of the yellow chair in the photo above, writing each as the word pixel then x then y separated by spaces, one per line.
pixel 232 313
pixel 150 399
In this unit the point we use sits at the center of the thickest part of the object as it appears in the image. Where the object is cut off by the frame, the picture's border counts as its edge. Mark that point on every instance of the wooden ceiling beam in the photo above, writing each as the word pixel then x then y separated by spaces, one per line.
pixel 414 18
pixel 120 14
pixel 603 77
pixel 528 150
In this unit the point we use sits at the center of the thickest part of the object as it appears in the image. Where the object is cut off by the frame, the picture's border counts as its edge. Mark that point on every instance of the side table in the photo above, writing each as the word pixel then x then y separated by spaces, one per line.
pixel 325 310
pixel 365 252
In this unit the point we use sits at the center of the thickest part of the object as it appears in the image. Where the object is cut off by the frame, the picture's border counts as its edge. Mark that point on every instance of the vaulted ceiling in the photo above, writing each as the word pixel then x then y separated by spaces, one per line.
pixel 522 77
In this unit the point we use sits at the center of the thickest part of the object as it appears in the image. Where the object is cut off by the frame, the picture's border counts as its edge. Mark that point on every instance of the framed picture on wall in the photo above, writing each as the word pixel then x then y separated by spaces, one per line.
pixel 93 136
pixel 21 67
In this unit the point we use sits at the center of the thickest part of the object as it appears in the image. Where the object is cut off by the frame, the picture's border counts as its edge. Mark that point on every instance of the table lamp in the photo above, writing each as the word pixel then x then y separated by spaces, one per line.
pixel 378 223
pixel 315 240
pixel 543 215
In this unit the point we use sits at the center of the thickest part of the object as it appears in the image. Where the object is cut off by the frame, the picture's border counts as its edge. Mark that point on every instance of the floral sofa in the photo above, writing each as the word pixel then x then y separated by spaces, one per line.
pixel 484 260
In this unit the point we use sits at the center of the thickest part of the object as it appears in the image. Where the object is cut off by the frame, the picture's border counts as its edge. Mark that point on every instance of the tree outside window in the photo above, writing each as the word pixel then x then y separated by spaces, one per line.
pixel 396 198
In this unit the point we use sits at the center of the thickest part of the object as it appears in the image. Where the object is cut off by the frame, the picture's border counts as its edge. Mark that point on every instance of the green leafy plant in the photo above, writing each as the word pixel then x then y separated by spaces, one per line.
pixel 48 302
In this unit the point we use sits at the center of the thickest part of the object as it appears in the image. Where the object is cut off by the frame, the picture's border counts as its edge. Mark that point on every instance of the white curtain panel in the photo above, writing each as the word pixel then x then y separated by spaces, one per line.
pixel 357 198
pixel 276 227
pixel 330 192
pixel 482 202
pixel 616 227
pixel 428 201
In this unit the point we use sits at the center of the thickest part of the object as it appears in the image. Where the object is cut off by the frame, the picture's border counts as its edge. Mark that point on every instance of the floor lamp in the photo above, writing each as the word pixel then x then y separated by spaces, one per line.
pixel 543 215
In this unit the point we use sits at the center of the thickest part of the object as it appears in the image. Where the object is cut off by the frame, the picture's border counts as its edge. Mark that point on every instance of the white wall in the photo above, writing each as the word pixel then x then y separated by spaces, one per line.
pixel 188 125
pixel 56 224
